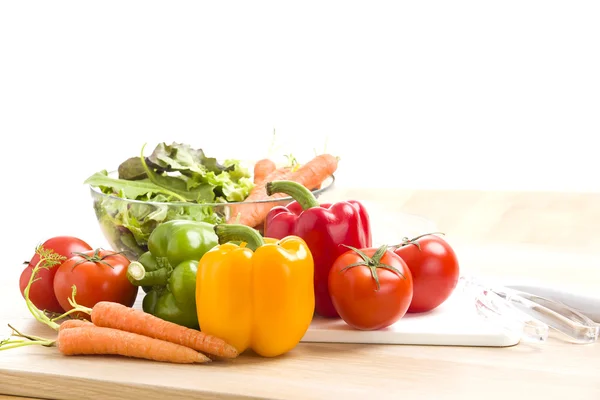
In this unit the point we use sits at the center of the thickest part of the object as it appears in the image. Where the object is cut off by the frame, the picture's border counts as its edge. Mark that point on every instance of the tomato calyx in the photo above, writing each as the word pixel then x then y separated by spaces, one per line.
pixel 372 263
pixel 406 241
pixel 95 258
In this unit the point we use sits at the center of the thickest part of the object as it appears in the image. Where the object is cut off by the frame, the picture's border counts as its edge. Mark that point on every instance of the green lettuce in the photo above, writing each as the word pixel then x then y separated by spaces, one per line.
pixel 172 183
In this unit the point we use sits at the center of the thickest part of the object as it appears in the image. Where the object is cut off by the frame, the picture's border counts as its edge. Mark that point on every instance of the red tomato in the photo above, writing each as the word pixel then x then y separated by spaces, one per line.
pixel 435 271
pixel 98 275
pixel 41 292
pixel 359 299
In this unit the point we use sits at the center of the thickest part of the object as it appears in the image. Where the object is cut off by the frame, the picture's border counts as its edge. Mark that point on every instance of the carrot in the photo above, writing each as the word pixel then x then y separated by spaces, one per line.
pixel 74 323
pixel 259 191
pixel 88 339
pixel 262 169
pixel 117 316
pixel 314 172
pixel 311 175
pixel 252 214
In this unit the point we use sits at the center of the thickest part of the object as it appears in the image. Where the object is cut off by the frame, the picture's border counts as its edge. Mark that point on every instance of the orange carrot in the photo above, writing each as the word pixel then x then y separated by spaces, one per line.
pixel 117 316
pixel 262 169
pixel 78 323
pixel 251 214
pixel 259 191
pixel 311 175
pixel 88 340
pixel 314 172
pixel 74 323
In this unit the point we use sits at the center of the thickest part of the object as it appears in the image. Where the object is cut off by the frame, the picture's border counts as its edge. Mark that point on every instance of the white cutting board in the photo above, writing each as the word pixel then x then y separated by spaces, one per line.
pixel 454 323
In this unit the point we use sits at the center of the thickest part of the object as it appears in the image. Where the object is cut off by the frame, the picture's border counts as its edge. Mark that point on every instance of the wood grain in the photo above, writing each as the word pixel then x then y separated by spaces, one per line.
pixel 535 235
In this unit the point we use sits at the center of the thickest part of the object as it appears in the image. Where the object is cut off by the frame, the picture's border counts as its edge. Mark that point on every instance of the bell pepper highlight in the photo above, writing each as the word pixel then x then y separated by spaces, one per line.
pixel 257 295
pixel 167 271
pixel 326 228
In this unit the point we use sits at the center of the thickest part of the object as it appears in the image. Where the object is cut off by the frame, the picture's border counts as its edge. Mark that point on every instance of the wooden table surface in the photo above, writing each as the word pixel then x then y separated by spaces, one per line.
pixel 547 236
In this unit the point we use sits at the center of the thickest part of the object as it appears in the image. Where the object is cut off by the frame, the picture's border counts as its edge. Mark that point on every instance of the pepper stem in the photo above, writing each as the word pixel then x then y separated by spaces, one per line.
pixel 297 191
pixel 137 275
pixel 239 232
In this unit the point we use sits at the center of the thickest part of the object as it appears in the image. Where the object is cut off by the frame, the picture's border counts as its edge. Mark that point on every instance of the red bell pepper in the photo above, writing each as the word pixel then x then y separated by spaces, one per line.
pixel 324 227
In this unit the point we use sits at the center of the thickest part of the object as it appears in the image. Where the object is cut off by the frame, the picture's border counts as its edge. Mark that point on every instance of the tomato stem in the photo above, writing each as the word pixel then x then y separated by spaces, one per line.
pixel 95 258
pixel 406 241
pixel 372 263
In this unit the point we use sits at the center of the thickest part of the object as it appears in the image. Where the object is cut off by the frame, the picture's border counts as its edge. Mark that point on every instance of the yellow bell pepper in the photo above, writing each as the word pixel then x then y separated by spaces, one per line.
pixel 256 295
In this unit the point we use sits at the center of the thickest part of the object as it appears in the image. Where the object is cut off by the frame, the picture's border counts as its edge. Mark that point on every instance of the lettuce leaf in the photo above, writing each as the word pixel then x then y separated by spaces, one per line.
pixel 135 190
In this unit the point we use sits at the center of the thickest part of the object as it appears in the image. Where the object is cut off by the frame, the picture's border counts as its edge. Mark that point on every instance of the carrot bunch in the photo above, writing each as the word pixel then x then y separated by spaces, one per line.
pixel 116 329
pixel 80 337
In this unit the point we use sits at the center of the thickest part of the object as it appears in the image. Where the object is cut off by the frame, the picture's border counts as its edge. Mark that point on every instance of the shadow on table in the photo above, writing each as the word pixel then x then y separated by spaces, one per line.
pixel 303 351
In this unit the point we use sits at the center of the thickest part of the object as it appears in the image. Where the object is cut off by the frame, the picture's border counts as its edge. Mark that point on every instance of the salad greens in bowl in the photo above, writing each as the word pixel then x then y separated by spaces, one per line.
pixel 175 182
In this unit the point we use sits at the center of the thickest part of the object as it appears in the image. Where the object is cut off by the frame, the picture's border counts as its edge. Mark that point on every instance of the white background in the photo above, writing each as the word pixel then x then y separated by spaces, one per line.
pixel 452 94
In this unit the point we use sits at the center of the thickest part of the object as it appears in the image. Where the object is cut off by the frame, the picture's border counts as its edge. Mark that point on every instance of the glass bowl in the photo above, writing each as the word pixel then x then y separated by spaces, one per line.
pixel 126 224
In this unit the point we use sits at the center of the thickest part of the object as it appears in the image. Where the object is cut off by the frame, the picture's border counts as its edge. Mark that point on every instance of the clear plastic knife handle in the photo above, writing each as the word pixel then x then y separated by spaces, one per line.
pixel 501 313
pixel 498 311
pixel 571 323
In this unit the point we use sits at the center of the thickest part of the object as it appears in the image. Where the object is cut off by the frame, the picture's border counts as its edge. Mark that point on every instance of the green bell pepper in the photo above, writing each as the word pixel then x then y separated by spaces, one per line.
pixel 167 271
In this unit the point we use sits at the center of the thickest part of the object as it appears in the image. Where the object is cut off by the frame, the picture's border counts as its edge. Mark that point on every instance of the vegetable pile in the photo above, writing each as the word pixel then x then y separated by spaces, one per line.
pixel 117 329
pixel 178 182
pixel 369 288
pixel 214 286
pixel 324 227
